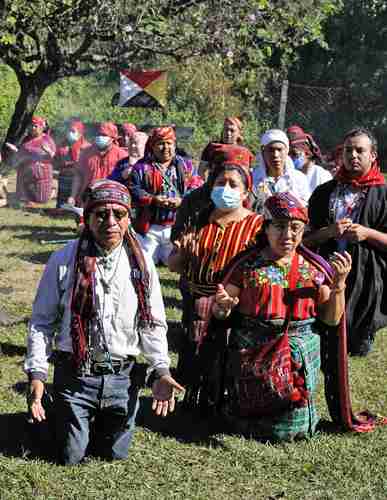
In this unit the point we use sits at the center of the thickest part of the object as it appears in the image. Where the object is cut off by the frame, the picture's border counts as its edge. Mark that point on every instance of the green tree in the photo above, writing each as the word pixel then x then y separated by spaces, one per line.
pixel 354 59
pixel 44 40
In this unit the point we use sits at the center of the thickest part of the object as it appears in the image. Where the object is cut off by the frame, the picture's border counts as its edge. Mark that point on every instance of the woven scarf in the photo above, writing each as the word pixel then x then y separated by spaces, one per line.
pixel 372 178
pixel 83 303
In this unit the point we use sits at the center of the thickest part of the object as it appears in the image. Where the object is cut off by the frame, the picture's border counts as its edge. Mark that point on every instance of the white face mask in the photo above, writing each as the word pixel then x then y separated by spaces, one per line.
pixel 72 136
pixel 226 197
pixel 102 141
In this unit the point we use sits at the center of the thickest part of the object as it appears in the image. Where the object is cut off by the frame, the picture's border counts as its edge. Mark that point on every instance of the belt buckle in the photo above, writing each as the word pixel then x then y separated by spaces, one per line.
pixel 101 368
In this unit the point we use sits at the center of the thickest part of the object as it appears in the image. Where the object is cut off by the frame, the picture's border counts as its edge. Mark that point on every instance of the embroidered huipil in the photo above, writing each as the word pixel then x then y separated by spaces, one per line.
pixel 50 321
pixel 263 283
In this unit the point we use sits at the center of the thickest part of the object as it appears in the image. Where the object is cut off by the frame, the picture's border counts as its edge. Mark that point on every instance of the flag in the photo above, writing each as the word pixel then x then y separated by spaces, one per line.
pixel 143 89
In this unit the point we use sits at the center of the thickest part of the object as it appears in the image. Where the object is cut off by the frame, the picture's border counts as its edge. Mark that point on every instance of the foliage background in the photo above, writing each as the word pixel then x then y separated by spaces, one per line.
pixel 199 97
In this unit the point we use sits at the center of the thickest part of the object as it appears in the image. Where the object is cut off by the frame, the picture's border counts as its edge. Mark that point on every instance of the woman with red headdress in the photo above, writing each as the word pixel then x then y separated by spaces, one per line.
pixel 34 164
pixel 67 157
pixel 98 161
pixel 214 233
pixel 304 152
pixel 231 134
pixel 279 298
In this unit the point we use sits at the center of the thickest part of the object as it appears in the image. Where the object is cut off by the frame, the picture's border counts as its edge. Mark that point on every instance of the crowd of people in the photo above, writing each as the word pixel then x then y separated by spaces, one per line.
pixel 272 251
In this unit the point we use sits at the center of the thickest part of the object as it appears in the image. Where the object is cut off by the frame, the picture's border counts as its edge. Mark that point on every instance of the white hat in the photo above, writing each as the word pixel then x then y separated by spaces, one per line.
pixel 274 135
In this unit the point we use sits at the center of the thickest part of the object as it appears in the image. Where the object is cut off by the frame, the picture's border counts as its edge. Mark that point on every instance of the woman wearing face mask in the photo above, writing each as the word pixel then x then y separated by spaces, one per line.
pixel 97 161
pixel 213 236
pixel 67 157
pixel 304 152
pixel 34 164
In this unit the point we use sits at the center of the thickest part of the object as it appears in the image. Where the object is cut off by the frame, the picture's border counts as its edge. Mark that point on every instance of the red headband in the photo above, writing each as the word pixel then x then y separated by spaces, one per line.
pixel 109 129
pixel 77 125
pixel 161 134
pixel 39 121
pixel 105 191
pixel 285 206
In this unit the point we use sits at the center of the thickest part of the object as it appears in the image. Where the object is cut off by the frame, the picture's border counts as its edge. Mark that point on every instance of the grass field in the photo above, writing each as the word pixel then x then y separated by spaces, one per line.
pixel 178 457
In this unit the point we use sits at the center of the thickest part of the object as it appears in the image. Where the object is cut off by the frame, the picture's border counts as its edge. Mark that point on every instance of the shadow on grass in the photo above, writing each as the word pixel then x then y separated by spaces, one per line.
pixel 8 349
pixel 172 302
pixel 174 335
pixel 34 258
pixel 34 229
pixel 15 435
pixel 181 425
pixel 169 282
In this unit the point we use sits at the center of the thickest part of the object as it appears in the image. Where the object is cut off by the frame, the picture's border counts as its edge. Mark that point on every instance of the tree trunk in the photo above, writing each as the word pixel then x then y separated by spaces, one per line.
pixel 32 87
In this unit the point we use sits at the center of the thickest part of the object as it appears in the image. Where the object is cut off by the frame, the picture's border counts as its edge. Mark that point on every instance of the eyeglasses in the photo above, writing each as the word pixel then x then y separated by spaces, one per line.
pixel 295 227
pixel 103 215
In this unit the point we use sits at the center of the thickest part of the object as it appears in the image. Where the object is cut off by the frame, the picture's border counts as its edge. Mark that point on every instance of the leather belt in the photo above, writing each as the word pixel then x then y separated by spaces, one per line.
pixel 96 367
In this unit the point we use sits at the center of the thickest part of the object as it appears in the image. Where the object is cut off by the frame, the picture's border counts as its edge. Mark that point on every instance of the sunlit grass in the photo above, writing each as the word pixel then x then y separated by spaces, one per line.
pixel 180 457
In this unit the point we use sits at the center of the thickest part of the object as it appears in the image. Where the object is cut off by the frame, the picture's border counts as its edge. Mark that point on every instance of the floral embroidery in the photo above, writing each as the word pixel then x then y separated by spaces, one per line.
pixel 259 271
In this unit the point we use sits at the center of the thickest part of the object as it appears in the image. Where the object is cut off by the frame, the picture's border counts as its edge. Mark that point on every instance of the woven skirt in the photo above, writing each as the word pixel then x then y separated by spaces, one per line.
pixel 295 422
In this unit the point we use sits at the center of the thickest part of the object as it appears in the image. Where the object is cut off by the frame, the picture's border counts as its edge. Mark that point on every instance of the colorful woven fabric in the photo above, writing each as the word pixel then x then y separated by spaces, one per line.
pixel 83 304
pixel 214 247
pixel 285 206
pixel 292 422
pixel 105 191
pixel 35 174
pixel 262 283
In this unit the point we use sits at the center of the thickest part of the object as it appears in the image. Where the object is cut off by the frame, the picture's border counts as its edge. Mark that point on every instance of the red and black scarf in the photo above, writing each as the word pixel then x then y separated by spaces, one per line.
pixel 83 304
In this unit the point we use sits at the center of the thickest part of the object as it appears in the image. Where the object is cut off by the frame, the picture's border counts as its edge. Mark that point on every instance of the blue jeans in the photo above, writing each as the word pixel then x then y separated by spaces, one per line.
pixel 103 407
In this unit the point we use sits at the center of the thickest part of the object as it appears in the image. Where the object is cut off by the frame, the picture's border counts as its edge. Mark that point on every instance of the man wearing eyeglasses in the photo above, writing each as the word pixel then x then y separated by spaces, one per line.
pixel 99 301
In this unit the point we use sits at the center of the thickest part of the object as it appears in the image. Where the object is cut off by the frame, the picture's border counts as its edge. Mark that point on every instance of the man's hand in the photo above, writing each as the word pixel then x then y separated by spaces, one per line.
pixel 340 227
pixel 160 201
pixel 174 202
pixel 35 401
pixel 356 233
pixel 163 391
pixel 12 147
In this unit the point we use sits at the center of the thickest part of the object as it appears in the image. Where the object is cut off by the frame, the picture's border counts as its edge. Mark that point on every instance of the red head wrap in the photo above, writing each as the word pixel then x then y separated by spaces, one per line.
pixel 78 126
pixel 109 129
pixel 299 139
pixel 285 206
pixel 39 121
pixel 129 128
pixel 160 134
pixel 229 155
pixel 105 191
